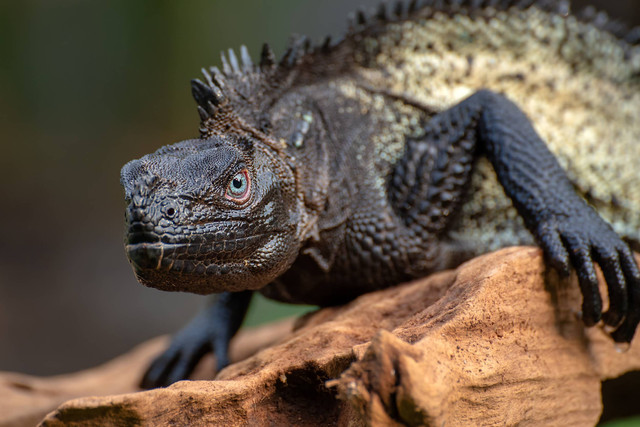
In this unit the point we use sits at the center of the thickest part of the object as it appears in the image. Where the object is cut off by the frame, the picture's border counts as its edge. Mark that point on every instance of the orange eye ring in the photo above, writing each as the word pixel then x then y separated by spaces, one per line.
pixel 239 188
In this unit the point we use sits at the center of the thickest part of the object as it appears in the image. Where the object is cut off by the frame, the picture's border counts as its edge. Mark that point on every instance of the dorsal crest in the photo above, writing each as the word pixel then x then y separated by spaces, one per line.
pixel 236 96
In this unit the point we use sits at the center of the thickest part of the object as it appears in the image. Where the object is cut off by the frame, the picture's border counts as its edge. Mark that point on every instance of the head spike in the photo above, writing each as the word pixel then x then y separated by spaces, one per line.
pixel 401 10
pixel 298 46
pixel 225 65
pixel 233 60
pixel 203 113
pixel 326 44
pixel 217 76
pixel 267 57
pixel 200 91
pixel 247 63
pixel 211 108
pixel 207 76
pixel 361 17
pixel 287 58
pixel 381 14
pixel 416 5
pixel 207 97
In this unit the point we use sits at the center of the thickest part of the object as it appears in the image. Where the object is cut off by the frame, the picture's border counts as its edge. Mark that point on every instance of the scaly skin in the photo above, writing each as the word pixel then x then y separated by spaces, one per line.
pixel 420 140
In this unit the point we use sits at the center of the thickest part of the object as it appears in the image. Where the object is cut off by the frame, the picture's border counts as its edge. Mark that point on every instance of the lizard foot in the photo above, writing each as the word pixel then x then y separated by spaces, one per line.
pixel 579 241
pixel 187 348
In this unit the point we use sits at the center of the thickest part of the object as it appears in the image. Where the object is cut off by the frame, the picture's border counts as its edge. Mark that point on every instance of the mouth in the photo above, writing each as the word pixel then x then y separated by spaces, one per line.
pixel 148 251
pixel 169 267
pixel 199 263
pixel 137 237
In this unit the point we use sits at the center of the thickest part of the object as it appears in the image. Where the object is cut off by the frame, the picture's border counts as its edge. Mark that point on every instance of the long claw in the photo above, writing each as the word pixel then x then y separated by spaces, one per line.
pixel 555 251
pixel 156 374
pixel 610 264
pixel 581 259
pixel 626 330
pixel 185 365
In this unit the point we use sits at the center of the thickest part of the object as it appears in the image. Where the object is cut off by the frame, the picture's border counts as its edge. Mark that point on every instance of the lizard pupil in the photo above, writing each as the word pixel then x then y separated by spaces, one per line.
pixel 238 189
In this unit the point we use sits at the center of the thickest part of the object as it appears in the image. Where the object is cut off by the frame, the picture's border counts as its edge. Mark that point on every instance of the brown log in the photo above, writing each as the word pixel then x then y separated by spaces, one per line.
pixel 497 341
pixel 495 350
pixel 26 399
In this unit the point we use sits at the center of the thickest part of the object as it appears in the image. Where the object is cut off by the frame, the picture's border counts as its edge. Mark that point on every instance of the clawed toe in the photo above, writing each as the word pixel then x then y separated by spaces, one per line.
pixel 594 242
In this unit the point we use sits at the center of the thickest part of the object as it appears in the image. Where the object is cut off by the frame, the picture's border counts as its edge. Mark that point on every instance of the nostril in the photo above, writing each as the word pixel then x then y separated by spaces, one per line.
pixel 134 237
pixel 169 210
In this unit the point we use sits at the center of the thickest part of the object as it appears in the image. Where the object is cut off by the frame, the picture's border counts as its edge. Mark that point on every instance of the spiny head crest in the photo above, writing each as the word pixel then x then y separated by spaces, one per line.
pixel 241 88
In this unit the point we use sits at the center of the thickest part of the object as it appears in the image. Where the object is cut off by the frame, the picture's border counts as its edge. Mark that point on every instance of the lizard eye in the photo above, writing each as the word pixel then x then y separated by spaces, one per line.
pixel 239 186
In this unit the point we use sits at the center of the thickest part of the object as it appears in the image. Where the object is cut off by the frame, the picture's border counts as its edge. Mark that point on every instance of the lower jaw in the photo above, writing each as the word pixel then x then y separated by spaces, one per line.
pixel 177 281
pixel 166 267
pixel 182 257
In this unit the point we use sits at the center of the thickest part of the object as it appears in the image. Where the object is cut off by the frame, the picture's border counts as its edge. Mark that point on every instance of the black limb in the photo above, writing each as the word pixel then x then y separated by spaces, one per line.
pixel 211 330
pixel 429 181
pixel 571 232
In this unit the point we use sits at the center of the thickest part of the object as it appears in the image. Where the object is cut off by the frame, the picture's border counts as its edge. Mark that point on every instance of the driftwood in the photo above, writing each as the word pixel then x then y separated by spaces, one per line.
pixel 25 399
pixel 497 341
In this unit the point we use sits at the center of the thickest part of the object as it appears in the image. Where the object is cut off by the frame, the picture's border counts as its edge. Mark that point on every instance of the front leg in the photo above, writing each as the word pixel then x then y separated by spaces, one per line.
pixel 429 182
pixel 211 330
pixel 569 230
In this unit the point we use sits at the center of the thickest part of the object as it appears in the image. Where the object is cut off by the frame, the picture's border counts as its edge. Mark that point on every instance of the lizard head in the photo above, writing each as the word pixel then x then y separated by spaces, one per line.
pixel 210 215
pixel 225 212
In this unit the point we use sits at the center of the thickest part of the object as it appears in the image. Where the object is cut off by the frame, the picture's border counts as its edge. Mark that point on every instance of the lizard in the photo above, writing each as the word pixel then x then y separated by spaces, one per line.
pixel 431 132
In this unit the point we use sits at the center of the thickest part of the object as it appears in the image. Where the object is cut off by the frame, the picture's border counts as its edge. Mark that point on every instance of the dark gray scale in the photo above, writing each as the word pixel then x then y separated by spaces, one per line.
pixel 428 183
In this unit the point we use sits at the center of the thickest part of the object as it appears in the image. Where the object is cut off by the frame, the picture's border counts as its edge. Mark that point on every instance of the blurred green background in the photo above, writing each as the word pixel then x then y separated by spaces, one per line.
pixel 86 86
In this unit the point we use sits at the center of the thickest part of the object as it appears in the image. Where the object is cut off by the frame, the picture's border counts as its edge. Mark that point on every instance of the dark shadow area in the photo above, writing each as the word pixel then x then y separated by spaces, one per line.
pixel 621 397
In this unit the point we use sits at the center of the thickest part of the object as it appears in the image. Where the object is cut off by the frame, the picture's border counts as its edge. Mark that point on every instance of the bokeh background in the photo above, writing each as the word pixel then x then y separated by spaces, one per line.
pixel 86 86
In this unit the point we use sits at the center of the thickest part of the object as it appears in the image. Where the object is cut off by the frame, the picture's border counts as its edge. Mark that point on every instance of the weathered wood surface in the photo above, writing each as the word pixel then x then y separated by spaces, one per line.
pixel 26 399
pixel 497 341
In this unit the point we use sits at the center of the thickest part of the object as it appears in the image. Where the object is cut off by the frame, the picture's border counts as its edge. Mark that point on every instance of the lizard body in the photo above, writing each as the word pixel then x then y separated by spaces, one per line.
pixel 423 138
